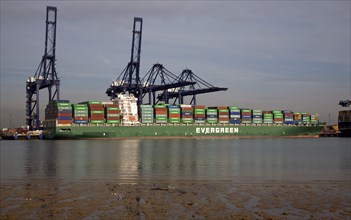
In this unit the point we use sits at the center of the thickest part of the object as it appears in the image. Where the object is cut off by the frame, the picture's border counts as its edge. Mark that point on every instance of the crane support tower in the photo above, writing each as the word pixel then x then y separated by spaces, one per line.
pixel 129 79
pixel 199 86
pixel 46 75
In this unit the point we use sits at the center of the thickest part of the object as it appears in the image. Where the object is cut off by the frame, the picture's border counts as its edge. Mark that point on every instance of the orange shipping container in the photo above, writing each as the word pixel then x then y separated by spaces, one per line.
pixel 64 121
pixel 174 115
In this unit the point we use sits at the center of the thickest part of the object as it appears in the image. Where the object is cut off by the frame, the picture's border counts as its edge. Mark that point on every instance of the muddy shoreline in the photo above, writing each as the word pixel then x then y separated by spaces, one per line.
pixel 42 199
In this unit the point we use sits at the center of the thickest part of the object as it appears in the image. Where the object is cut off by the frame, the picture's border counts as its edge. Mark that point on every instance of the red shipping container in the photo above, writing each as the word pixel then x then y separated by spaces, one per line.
pixel 200 116
pixel 223 113
pixel 160 111
pixel 266 112
pixel 96 107
pixel 199 107
pixel 187 108
pixel 222 107
pixel 174 115
pixel 64 121
pixel 64 114
pixel 97 117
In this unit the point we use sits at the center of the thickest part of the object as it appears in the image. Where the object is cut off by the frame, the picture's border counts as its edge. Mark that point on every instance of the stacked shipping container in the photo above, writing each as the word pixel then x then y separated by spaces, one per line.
pixel 314 119
pixel 173 114
pixel 212 115
pixel 187 114
pixel 160 114
pixel 246 116
pixel 147 114
pixel 223 114
pixel 60 110
pixel 297 118
pixel 80 113
pixel 112 114
pixel 95 112
pixel 235 115
pixel 267 117
pixel 278 117
pixel 288 117
pixel 257 117
pixel 306 118
pixel 199 114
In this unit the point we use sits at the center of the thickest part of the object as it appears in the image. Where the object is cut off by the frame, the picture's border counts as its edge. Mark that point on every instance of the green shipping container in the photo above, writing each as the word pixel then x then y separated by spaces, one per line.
pixel 113 108
pixel 93 102
pixel 276 111
pixel 113 115
pixel 80 105
pixel 97 112
pixel 199 121
pixel 113 121
pixel 174 111
pixel 64 107
pixel 62 104
pixel 97 121
pixel 80 108
pixel 80 115
pixel 174 120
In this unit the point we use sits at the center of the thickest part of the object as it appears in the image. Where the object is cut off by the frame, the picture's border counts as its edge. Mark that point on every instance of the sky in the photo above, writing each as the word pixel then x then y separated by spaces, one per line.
pixel 292 55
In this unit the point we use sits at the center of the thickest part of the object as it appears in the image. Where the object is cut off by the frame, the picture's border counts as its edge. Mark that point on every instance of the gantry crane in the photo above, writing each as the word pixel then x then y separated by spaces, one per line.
pixel 46 75
pixel 158 78
pixel 345 103
pixel 129 79
pixel 200 86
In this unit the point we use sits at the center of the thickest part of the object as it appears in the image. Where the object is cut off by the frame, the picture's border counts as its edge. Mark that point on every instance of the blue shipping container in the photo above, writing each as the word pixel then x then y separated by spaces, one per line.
pixel 173 106
pixel 65 118
pixel 232 121
pixel 80 122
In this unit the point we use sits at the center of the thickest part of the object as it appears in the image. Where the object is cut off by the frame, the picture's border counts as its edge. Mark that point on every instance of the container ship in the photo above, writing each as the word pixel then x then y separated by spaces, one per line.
pixel 122 118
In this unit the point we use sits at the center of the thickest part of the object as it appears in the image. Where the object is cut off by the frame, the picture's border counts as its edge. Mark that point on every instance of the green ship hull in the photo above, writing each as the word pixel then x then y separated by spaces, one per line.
pixel 155 130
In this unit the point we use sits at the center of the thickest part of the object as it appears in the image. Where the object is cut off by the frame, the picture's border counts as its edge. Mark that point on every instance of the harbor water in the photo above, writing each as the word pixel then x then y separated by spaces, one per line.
pixel 150 160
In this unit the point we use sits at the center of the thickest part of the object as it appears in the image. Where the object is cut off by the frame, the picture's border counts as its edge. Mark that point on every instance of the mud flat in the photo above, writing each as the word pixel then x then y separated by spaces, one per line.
pixel 42 199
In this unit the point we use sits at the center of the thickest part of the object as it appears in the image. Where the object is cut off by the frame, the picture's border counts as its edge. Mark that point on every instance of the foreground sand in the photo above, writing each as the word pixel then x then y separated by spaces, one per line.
pixel 176 200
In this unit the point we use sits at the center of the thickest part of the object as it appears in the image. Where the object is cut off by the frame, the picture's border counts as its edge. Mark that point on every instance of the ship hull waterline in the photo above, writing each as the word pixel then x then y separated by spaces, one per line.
pixel 170 131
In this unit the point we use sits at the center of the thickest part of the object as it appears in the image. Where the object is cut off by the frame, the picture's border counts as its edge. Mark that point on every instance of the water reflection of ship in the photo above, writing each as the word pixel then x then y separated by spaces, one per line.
pixel 41 169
